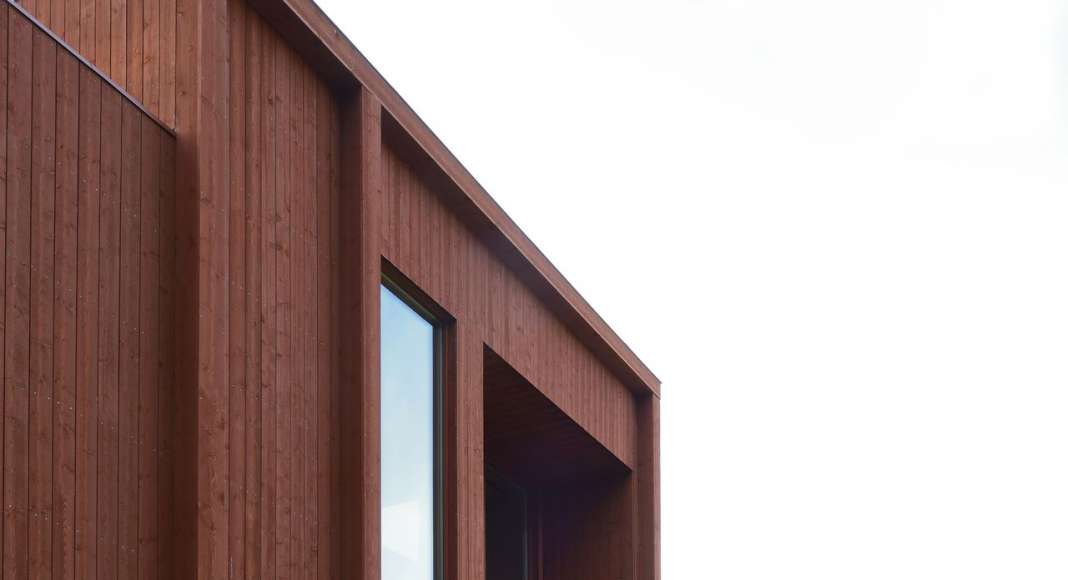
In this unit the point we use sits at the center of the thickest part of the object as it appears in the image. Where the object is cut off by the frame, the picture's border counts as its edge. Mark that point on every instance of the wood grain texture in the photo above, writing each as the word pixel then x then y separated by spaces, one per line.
pixel 117 41
pixel 238 483
pixel 42 289
pixel 65 321
pixel 279 205
pixel 648 489
pixel 196 394
pixel 583 519
pixel 360 276
pixel 129 363
pixel 167 428
pixel 203 192
pixel 88 316
pixel 74 309
pixel 465 528
pixel 108 326
pixel 17 295
pixel 328 482
pixel 131 41
pixel 440 254
pixel 4 279
pixel 101 38
pixel 530 440
pixel 146 68
pixel 321 42
pixel 148 411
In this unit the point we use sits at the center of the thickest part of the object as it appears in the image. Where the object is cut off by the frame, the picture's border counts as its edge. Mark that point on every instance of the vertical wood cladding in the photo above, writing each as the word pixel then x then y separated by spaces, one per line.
pixel 279 460
pixel 189 383
pixel 447 260
pixel 283 182
pixel 133 42
pixel 87 207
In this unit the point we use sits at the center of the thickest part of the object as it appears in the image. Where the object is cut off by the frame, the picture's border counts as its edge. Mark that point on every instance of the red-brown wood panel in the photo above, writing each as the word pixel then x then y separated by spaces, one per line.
pixel 185 277
pixel 327 491
pixel 282 307
pixel 131 41
pixel 75 394
pixel 88 316
pixel 281 158
pixel 237 307
pixel 73 23
pixel 4 173
pixel 269 339
pixel 257 356
pixel 65 323
pixel 465 532
pixel 224 397
pixel 109 384
pixel 613 531
pixel 203 216
pixel 134 59
pixel 42 288
pixel 58 9
pixel 303 200
pixel 360 277
pixel 168 399
pixel 648 489
pixel 17 295
pixel 150 46
pixel 305 267
pixel 148 495
pixel 86 41
pixel 110 256
pixel 421 232
pixel 4 106
pixel 129 338
pixel 44 10
pixel 102 19
pixel 168 35
pixel 309 331
pixel 118 39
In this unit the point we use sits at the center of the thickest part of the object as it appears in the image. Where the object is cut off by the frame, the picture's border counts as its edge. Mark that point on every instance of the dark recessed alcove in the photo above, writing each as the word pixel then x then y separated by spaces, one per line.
pixel 550 485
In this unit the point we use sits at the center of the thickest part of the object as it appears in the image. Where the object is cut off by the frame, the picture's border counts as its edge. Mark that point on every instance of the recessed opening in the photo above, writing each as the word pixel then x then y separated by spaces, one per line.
pixel 507 542
pixel 557 501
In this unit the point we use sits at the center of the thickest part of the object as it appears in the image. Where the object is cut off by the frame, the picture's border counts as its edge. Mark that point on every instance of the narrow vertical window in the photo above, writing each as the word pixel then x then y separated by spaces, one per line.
pixel 410 462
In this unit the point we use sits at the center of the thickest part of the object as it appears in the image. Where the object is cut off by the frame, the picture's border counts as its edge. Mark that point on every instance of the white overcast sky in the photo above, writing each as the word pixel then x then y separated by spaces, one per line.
pixel 836 230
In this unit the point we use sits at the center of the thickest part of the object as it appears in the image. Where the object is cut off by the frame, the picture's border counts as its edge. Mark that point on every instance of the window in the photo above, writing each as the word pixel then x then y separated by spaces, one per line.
pixel 410 425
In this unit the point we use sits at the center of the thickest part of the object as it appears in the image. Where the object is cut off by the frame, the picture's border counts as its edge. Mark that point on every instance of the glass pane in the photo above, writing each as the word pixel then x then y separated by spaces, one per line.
pixel 407 442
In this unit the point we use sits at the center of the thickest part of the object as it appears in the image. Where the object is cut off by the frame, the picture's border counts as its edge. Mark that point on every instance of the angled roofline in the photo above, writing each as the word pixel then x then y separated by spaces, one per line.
pixel 315 35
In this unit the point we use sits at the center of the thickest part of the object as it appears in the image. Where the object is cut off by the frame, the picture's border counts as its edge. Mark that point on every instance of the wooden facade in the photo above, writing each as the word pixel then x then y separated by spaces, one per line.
pixel 200 200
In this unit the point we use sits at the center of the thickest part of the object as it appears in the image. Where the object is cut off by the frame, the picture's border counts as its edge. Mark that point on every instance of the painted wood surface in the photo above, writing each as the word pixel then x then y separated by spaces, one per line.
pixel 83 368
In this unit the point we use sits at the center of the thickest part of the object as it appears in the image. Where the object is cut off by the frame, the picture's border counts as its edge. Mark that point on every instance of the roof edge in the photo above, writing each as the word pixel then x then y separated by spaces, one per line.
pixel 321 39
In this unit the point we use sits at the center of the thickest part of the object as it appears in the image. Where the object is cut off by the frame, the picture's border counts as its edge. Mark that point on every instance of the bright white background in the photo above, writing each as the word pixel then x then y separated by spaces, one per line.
pixel 837 231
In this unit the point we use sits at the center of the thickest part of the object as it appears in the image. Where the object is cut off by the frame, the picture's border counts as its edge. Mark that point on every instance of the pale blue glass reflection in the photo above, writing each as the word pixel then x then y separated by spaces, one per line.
pixel 407 442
